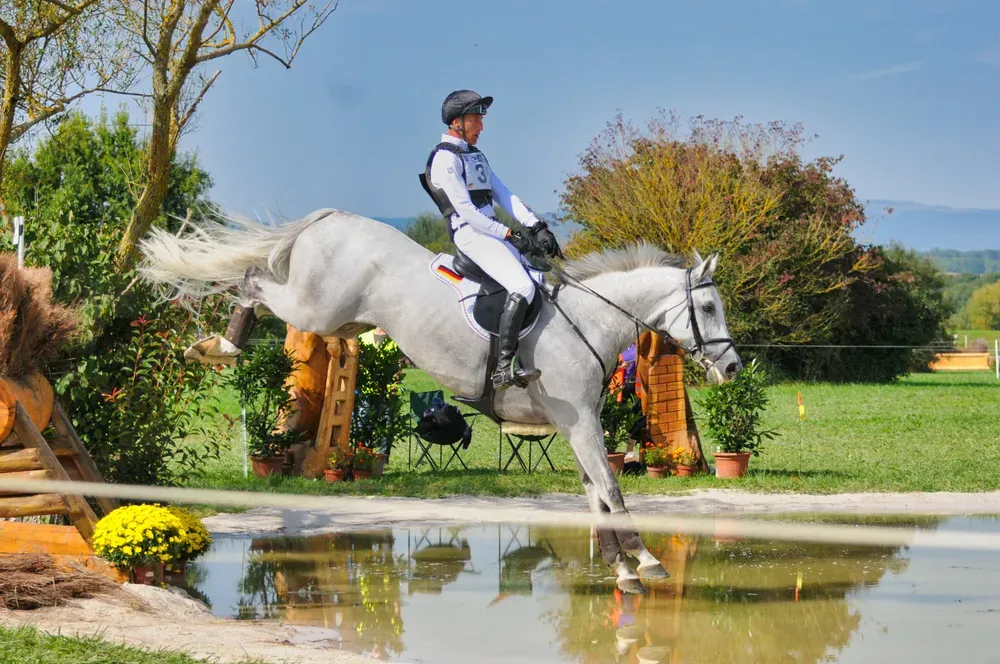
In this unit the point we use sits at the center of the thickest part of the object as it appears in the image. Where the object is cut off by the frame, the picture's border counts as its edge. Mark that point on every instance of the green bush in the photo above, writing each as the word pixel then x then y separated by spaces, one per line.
pixel 733 411
pixel 260 380
pixel 379 418
pixel 617 420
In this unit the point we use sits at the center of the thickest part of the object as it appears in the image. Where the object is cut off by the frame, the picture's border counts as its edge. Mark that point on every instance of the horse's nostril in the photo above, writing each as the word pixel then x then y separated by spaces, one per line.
pixel 732 369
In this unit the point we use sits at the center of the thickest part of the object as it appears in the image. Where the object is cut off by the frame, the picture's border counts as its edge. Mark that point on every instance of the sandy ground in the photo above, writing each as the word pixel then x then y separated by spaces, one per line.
pixel 176 621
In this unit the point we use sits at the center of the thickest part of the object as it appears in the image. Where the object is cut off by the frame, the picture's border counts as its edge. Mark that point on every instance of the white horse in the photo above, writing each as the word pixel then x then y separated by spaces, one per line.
pixel 339 274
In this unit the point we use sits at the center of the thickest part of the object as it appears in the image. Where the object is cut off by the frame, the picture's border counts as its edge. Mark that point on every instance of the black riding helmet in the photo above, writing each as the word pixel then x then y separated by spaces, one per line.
pixel 463 102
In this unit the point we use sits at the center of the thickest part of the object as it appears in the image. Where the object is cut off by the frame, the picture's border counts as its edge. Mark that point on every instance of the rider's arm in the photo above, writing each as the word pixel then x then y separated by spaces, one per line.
pixel 446 169
pixel 511 203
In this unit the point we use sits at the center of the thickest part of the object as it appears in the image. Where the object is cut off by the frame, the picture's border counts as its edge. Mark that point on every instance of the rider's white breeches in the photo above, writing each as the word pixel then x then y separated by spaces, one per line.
pixel 497 258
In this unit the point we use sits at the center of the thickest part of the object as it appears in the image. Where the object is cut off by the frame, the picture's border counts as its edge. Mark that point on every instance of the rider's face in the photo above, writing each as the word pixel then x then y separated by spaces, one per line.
pixel 473 127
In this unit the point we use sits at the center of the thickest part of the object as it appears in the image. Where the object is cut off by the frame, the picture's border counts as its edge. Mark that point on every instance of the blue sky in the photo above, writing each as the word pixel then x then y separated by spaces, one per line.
pixel 907 90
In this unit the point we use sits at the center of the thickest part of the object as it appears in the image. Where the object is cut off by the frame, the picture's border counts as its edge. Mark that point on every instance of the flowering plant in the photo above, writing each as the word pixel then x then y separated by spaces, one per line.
pixel 139 535
pixel 656 456
pixel 364 458
pixel 683 456
pixel 198 539
pixel 341 459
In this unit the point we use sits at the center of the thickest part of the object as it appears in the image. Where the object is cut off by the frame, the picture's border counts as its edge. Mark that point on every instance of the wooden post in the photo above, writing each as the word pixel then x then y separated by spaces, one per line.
pixel 84 463
pixel 338 404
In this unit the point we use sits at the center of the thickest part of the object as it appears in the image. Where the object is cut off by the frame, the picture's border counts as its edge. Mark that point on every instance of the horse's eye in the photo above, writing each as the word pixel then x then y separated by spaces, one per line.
pixel 709 308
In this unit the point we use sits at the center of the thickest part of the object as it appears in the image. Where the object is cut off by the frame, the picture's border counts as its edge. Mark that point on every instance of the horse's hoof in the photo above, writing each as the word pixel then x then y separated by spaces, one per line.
pixel 631 586
pixel 654 571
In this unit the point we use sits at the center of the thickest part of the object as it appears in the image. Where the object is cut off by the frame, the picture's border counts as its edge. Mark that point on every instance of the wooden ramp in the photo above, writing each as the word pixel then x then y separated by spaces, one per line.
pixel 26 454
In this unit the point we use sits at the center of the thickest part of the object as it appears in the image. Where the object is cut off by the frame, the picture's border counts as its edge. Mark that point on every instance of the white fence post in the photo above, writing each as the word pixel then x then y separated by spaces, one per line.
pixel 19 239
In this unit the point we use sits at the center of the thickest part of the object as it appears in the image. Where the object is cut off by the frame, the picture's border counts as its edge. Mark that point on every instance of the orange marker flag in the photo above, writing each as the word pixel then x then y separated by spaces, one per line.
pixel 802 408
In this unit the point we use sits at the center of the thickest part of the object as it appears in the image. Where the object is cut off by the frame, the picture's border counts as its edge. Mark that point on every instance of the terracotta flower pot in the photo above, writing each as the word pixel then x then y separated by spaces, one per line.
pixel 656 471
pixel 379 467
pixel 147 575
pixel 362 474
pixel 333 475
pixel 731 464
pixel 174 572
pixel 686 471
pixel 617 462
pixel 265 466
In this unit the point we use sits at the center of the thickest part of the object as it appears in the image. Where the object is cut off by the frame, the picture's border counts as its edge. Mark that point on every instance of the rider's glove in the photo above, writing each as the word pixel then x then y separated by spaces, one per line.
pixel 545 239
pixel 524 244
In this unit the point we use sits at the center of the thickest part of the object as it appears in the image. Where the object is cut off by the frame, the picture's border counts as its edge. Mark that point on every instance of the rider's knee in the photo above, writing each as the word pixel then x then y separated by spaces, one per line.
pixel 525 289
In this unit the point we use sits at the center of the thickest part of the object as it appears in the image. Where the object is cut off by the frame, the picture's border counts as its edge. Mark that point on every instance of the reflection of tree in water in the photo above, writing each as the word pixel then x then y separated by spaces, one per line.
pixel 728 601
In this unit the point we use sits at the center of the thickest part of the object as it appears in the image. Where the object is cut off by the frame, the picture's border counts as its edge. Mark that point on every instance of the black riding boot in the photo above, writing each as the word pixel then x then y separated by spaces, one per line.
pixel 509 371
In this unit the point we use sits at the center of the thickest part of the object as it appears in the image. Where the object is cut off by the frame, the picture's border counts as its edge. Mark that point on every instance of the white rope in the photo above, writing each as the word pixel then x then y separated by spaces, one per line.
pixel 430 510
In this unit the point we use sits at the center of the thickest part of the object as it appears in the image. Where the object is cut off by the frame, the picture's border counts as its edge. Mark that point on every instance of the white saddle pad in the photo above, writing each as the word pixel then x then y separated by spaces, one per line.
pixel 443 267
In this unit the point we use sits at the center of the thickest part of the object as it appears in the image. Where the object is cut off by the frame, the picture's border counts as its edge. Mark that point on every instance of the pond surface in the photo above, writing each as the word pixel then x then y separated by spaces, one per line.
pixel 489 593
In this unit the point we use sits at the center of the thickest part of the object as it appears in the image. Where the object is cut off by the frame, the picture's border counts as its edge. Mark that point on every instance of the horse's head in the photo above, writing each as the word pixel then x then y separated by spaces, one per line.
pixel 701 327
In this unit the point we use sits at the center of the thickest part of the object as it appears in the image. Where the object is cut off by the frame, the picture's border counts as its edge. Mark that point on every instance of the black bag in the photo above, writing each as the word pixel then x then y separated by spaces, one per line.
pixel 443 424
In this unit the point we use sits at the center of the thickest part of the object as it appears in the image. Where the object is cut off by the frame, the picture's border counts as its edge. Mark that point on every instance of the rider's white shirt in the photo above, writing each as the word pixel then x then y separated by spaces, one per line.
pixel 446 174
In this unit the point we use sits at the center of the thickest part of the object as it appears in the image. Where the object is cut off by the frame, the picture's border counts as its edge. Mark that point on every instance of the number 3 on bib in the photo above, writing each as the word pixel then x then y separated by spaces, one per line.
pixel 477 172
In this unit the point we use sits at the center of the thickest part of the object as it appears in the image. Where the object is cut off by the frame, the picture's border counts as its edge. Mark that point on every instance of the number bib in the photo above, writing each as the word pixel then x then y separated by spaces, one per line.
pixel 477 171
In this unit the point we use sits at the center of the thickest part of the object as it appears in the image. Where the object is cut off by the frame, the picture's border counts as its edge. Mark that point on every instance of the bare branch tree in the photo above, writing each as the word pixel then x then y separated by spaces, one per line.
pixel 52 53
pixel 177 38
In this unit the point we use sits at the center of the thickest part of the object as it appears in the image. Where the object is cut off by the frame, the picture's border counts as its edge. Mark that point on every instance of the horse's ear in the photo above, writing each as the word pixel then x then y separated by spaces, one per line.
pixel 706 269
pixel 698 260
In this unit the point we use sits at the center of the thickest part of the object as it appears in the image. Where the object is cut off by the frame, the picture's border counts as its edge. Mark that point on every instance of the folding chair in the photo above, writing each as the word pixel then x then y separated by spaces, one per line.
pixel 450 438
pixel 542 434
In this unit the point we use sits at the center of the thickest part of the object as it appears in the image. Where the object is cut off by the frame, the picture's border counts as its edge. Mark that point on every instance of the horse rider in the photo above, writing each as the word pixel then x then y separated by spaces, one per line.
pixel 459 180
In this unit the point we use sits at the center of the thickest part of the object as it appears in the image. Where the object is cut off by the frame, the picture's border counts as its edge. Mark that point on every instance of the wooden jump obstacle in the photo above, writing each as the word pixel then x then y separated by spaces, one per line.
pixel 27 407
pixel 961 362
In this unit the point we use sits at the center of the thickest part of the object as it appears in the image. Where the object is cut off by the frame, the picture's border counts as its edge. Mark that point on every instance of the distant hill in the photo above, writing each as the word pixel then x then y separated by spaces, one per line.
pixel 983 261
pixel 926 227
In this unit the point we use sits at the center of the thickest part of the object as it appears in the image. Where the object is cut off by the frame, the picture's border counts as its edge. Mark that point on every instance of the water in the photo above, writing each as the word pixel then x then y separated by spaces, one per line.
pixel 514 593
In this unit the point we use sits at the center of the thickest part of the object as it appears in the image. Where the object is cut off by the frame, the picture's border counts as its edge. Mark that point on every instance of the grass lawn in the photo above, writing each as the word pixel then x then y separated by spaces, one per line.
pixel 26 645
pixel 927 432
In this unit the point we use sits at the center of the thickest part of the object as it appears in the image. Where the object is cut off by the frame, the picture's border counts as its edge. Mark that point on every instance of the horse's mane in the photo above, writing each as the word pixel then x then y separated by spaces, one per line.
pixel 629 258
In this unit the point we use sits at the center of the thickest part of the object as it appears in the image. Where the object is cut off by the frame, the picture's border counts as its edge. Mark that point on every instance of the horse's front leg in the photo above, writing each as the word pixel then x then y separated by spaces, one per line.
pixel 607 541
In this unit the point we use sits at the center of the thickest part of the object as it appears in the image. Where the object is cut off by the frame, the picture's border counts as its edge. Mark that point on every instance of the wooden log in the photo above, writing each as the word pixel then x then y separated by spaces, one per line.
pixel 12 461
pixel 34 505
pixel 81 457
pixel 42 538
pixel 79 511
pixel 26 475
pixel 307 383
pixel 33 392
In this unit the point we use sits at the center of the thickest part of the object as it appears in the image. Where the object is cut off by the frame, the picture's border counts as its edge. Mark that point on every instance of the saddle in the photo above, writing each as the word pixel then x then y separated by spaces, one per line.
pixel 483 315
pixel 491 297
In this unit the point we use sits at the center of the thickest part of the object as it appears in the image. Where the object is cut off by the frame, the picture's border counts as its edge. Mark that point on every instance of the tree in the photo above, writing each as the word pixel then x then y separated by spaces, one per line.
pixel 783 229
pixel 983 309
pixel 177 39
pixel 53 53
pixel 791 273
pixel 124 381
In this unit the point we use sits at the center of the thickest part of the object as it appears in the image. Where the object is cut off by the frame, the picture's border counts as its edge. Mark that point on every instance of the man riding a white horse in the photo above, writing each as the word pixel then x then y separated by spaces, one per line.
pixel 459 180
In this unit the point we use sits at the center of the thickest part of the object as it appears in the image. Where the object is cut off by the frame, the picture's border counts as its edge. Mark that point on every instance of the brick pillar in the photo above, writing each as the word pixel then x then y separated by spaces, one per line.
pixel 669 417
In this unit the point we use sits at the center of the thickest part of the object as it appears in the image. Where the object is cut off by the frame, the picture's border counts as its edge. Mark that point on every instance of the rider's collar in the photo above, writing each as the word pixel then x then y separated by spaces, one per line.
pixel 448 138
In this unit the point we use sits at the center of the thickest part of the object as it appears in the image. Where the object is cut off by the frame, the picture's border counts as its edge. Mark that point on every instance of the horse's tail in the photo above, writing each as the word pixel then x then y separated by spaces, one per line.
pixel 215 257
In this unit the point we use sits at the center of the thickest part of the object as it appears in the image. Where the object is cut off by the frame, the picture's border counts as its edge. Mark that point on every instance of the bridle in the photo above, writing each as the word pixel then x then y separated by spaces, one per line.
pixel 698 351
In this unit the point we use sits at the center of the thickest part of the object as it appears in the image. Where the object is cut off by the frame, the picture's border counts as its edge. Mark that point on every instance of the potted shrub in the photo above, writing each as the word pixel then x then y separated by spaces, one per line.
pixel 685 462
pixel 139 539
pixel 657 460
pixel 618 418
pixel 338 464
pixel 732 413
pixel 261 381
pixel 379 418
pixel 364 462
